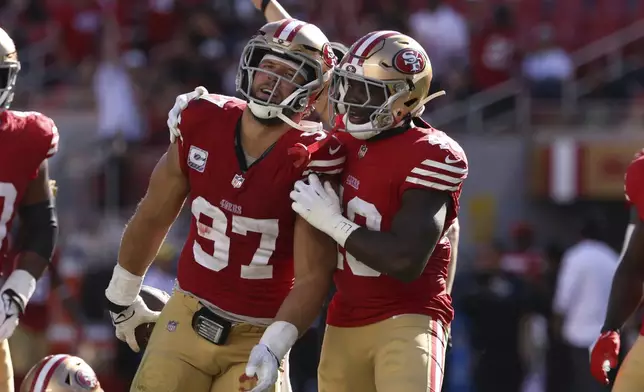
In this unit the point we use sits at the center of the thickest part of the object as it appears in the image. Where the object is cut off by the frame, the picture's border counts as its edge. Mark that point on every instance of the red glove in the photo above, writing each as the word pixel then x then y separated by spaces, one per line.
pixel 603 356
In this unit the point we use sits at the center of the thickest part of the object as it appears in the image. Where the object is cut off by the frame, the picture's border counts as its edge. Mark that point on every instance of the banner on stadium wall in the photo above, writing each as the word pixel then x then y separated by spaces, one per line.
pixel 568 169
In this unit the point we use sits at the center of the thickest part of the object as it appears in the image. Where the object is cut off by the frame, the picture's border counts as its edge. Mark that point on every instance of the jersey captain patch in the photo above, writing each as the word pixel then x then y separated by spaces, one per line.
pixel 197 159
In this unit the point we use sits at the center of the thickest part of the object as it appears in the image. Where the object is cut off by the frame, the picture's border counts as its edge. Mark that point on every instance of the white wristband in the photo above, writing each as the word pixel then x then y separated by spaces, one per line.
pixel 22 283
pixel 124 286
pixel 341 229
pixel 279 337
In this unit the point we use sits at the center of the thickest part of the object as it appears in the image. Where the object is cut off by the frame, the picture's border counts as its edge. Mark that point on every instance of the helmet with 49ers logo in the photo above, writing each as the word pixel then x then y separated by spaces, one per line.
pixel 382 82
pixel 61 373
pixel 289 53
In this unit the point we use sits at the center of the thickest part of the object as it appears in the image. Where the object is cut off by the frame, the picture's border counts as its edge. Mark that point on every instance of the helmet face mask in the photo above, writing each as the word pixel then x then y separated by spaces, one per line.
pixel 283 69
pixel 382 82
pixel 364 103
pixel 9 68
pixel 303 78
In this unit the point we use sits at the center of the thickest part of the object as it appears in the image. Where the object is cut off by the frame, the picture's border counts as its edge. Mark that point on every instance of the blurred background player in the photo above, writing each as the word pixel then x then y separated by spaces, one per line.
pixel 625 296
pixel 28 139
pixel 388 321
pixel 61 373
pixel 235 275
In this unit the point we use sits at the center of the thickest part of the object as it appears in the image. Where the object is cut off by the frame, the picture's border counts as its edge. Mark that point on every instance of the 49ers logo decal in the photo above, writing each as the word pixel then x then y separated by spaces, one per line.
pixel 409 61
pixel 328 56
pixel 86 379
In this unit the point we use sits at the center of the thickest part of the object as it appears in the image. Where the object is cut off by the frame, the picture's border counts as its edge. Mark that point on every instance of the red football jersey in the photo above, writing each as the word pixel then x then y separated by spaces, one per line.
pixel 26 140
pixel 239 253
pixel 376 175
pixel 634 184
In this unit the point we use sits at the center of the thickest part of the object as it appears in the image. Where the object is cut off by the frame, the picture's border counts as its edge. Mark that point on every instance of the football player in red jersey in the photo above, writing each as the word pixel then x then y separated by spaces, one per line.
pixel 237 309
pixel 27 140
pixel 388 321
pixel 625 296
pixel 272 11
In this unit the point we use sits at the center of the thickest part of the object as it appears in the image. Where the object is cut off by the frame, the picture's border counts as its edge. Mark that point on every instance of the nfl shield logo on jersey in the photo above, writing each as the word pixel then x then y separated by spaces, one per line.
pixel 172 326
pixel 237 181
pixel 363 151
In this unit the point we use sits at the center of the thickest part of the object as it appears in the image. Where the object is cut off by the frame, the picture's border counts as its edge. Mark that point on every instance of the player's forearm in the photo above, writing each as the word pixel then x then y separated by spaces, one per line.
pixel 274 11
pixel 625 295
pixel 453 235
pixel 37 237
pixel 141 241
pixel 387 253
pixel 304 303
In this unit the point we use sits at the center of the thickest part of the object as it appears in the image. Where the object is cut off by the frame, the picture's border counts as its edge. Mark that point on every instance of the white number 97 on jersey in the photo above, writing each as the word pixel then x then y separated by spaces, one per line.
pixel 216 232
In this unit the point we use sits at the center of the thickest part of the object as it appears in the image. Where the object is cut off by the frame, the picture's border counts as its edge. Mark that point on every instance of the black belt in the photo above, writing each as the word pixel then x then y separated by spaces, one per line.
pixel 211 326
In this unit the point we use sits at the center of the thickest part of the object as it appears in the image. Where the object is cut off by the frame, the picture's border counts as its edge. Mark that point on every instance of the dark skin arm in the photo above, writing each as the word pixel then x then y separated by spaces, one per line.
pixel 626 292
pixel 403 252
pixel 38 191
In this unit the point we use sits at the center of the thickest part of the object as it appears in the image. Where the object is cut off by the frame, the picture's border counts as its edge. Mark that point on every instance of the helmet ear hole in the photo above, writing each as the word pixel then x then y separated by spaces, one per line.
pixel 68 379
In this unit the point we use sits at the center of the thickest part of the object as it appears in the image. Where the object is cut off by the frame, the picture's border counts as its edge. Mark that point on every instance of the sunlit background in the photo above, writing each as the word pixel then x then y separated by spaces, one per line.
pixel 546 97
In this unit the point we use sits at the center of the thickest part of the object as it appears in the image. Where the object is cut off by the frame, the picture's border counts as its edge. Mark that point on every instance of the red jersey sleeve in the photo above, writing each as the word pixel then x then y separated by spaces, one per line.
pixel 42 133
pixel 634 185
pixel 193 117
pixel 328 160
pixel 436 162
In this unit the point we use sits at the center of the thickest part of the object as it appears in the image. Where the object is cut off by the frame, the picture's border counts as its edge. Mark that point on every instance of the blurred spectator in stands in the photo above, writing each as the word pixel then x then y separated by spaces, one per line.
pixel 497 304
pixel 494 50
pixel 548 66
pixel 78 24
pixel 581 299
pixel 114 91
pixel 443 32
pixel 523 258
pixel 162 272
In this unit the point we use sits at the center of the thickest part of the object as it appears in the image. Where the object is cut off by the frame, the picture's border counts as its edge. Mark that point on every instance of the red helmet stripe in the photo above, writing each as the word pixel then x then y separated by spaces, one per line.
pixel 366 45
pixel 46 372
pixel 288 29
pixel 360 42
pixel 281 28
pixel 294 32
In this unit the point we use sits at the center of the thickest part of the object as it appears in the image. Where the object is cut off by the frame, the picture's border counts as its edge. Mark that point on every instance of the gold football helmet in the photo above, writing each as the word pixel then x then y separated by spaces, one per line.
pixel 299 45
pixel 380 83
pixel 9 68
pixel 61 373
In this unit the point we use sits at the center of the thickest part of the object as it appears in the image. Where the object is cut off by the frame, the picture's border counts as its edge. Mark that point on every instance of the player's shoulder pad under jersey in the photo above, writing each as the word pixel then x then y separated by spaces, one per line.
pixel 40 130
pixel 634 182
pixel 437 161
pixel 209 107
pixel 329 159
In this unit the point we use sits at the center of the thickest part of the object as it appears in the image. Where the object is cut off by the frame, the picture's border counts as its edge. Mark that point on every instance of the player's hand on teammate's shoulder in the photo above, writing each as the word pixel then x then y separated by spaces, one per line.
pixel 180 104
pixel 315 202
